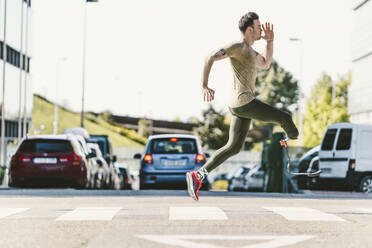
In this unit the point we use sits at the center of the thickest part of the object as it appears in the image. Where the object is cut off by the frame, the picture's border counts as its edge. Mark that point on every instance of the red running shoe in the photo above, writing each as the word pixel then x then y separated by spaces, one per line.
pixel 193 184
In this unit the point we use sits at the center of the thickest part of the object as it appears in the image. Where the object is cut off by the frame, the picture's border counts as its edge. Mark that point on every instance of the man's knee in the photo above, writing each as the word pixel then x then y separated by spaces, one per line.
pixel 289 126
pixel 235 149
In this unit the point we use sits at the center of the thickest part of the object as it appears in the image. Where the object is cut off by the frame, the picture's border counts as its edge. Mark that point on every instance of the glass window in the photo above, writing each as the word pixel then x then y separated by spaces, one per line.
pixel 344 139
pixel 329 139
pixel 173 146
pixel 36 146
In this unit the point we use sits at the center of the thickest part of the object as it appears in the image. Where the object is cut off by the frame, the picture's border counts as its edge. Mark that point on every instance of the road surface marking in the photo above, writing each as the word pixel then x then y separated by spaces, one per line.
pixel 5 212
pixel 303 214
pixel 90 214
pixel 185 240
pixel 196 213
pixel 365 210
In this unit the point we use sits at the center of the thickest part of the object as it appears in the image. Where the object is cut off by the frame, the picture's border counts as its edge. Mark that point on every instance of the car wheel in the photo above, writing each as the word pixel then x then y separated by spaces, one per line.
pixel 365 185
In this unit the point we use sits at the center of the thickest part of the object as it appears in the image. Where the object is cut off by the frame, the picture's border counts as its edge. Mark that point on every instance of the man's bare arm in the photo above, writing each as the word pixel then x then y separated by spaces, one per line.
pixel 264 62
pixel 208 94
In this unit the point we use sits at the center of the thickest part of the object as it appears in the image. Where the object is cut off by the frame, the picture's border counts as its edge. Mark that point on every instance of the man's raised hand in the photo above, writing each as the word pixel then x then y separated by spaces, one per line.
pixel 269 31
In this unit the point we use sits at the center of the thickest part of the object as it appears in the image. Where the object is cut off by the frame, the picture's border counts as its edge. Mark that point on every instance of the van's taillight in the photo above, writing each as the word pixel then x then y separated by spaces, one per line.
pixel 352 164
pixel 23 159
pixel 148 158
pixel 76 160
pixel 200 158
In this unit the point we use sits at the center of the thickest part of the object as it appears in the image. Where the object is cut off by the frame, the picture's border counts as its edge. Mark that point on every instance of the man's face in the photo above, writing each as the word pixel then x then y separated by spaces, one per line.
pixel 257 29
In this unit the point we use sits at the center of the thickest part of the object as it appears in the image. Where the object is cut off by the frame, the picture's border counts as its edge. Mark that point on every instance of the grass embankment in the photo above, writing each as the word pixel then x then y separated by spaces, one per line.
pixel 43 116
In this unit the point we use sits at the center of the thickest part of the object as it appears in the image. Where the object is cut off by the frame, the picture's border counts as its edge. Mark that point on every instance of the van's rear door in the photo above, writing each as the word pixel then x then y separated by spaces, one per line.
pixel 326 153
pixel 335 152
pixel 342 153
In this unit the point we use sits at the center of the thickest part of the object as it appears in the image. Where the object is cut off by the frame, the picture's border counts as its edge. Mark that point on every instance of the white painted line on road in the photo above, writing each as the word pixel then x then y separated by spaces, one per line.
pixel 90 214
pixel 184 240
pixel 196 213
pixel 5 212
pixel 365 210
pixel 303 214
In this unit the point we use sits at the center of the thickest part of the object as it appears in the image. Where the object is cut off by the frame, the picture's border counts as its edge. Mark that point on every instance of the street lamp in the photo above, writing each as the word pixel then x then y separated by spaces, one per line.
pixel 55 123
pixel 20 78
pixel 26 71
pixel 84 53
pixel 300 98
pixel 2 151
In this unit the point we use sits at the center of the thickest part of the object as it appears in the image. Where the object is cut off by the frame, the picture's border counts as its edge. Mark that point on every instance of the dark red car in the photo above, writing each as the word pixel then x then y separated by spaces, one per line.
pixel 49 159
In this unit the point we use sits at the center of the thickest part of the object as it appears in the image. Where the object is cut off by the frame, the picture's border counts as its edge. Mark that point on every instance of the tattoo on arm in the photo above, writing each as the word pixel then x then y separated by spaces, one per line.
pixel 219 54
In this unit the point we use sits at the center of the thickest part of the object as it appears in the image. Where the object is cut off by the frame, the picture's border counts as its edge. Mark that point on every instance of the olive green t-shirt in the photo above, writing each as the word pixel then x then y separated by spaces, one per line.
pixel 243 62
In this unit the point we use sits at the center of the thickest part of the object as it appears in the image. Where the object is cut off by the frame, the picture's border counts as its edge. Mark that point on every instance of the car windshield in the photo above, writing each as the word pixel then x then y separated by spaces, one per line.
pixel 51 146
pixel 173 146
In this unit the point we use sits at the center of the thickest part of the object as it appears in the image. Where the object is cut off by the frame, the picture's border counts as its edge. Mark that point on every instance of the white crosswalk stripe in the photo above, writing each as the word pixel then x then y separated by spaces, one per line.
pixel 175 213
pixel 196 213
pixel 303 214
pixel 365 210
pixel 89 214
pixel 5 212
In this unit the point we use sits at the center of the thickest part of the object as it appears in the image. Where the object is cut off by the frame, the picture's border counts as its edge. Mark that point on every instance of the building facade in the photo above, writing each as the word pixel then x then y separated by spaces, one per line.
pixel 360 90
pixel 16 85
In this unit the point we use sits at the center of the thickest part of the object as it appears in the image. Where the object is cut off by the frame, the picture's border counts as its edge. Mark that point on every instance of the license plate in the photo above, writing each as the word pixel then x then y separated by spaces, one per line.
pixel 45 160
pixel 175 163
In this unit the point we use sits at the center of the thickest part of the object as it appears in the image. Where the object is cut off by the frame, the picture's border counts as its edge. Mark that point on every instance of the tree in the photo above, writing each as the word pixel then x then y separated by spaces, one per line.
pixel 277 87
pixel 322 110
pixel 214 130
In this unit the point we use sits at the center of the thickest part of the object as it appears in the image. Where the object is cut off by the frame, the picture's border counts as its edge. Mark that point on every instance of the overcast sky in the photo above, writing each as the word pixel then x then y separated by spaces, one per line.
pixel 145 57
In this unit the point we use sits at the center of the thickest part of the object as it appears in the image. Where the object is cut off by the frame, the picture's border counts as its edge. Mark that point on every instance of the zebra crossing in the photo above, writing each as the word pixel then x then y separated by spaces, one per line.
pixel 181 213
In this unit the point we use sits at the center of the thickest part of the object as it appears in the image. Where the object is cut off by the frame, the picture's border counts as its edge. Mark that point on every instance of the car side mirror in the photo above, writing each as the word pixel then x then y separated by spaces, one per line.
pixel 114 158
pixel 207 155
pixel 137 156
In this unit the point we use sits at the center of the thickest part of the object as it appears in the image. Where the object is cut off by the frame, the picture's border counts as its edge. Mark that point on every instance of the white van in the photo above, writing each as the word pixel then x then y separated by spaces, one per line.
pixel 345 156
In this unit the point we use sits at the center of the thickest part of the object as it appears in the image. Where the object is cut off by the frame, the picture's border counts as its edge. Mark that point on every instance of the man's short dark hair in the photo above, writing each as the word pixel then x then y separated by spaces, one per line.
pixel 247 21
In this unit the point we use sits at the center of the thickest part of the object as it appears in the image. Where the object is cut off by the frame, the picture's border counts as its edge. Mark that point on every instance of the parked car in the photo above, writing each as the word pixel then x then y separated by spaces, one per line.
pixel 304 181
pixel 168 158
pixel 238 181
pixel 220 181
pixel 124 176
pixel 83 136
pixel 101 172
pixel 77 131
pixel 255 179
pixel 345 157
pixel 107 150
pixel 49 159
pixel 105 145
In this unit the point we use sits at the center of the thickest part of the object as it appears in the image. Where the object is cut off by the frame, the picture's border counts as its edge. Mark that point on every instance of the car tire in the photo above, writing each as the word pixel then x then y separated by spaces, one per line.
pixel 365 184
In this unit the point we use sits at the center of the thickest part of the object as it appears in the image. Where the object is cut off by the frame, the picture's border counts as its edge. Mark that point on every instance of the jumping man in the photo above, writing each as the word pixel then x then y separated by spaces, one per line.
pixel 244 106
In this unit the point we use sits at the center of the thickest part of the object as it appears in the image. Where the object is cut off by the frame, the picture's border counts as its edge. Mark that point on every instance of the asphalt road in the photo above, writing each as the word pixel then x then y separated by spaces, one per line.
pixel 163 218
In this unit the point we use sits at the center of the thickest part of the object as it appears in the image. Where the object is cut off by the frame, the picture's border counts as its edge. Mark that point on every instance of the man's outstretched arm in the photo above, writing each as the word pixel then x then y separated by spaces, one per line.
pixel 264 62
pixel 208 93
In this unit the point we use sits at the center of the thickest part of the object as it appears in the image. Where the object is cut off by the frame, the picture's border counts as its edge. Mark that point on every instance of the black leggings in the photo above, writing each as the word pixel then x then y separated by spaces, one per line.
pixel 239 127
